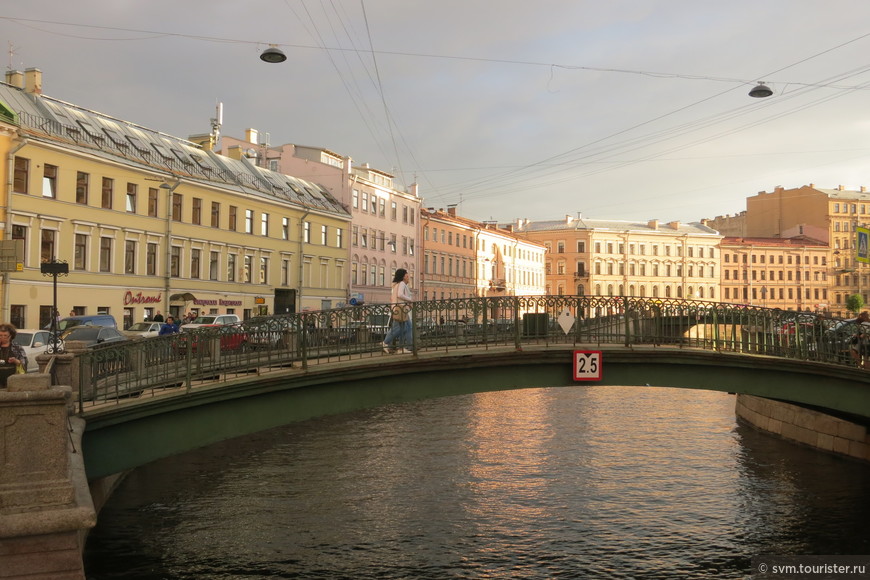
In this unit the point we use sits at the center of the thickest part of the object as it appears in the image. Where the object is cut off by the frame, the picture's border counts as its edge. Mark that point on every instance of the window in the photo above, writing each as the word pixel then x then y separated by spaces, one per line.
pixel 307 233
pixel 107 191
pixel 151 259
pixel 404 214
pixel 365 201
pixel 177 201
pixel 215 214
pixel 129 257
pixel 232 224
pixel 22 175
pixel 153 192
pixel 581 247
pixel 194 263
pixel 560 247
pixel 249 221
pixel 231 267
pixel 323 232
pixel 82 179
pixel 80 252
pixel 246 274
pixel 383 207
pixel 339 241
pixel 105 254
pixel 49 181
pixel 393 210
pixel 175 261
pixel 355 198
pixel 47 245
pixel 132 188
pixel 285 228
pixel 264 270
pixel 285 272
pixel 213 264
pixel 196 211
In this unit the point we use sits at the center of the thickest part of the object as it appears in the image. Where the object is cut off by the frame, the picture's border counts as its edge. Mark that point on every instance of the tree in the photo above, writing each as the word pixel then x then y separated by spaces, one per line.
pixel 854 303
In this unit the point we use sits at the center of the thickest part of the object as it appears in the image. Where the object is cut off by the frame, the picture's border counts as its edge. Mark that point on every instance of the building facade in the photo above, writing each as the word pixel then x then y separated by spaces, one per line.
pixel 790 273
pixel 449 255
pixel 623 258
pixel 829 215
pixel 385 230
pixel 147 222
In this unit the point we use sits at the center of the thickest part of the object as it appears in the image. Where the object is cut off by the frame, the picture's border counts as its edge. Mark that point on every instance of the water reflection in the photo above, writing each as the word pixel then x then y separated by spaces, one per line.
pixel 611 482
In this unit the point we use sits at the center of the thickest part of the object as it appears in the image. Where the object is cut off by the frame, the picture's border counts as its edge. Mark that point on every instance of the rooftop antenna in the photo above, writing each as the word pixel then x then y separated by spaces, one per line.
pixel 216 123
pixel 12 54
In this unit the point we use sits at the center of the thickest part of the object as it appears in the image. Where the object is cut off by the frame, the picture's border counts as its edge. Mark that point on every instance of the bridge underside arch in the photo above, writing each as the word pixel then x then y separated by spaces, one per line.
pixel 129 434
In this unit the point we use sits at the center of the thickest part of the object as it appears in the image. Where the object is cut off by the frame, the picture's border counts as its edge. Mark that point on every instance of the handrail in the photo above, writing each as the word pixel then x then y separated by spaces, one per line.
pixel 216 354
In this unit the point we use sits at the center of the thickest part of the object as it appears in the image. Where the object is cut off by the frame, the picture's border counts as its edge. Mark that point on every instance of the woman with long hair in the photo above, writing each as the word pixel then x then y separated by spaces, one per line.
pixel 11 354
pixel 400 326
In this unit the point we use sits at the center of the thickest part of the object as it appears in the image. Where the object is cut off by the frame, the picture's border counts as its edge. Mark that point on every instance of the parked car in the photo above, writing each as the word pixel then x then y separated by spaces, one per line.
pixel 34 342
pixel 270 331
pixel 93 335
pixel 211 320
pixel 85 320
pixel 143 330
pixel 232 337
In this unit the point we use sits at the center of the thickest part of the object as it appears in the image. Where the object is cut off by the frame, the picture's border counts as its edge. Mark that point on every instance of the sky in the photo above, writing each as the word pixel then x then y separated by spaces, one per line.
pixel 622 109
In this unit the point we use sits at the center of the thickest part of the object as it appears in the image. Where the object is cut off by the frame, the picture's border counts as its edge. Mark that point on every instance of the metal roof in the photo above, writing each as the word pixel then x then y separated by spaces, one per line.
pixel 51 120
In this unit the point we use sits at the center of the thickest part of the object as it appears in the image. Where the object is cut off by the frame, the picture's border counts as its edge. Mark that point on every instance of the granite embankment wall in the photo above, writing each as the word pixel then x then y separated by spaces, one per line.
pixel 805 426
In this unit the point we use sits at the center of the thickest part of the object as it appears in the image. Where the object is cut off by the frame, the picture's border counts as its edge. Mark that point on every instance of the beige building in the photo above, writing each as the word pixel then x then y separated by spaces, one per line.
pixel 384 234
pixel 146 221
pixel 624 258
pixel 829 215
pixel 791 273
pixel 449 255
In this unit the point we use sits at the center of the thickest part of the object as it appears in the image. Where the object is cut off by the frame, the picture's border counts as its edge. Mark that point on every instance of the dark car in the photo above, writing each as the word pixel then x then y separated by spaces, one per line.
pixel 93 335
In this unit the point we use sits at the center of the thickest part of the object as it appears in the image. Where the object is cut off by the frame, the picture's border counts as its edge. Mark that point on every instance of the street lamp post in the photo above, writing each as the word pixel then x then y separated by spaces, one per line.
pixel 54 268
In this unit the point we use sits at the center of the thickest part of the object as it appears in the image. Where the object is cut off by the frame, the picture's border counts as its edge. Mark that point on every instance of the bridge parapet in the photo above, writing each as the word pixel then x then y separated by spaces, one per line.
pixel 45 507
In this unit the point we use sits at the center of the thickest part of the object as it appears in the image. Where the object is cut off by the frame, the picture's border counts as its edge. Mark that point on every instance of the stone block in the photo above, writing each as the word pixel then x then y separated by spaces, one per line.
pixel 28 382
pixel 841 445
pixel 825 441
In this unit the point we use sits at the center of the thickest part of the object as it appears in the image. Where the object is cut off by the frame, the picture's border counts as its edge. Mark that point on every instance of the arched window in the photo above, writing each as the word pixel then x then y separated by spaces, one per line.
pixel 631 290
pixel 598 289
pixel 679 291
pixel 667 291
pixel 610 289
pixel 643 291
pixel 581 291
pixel 621 290
pixel 655 291
pixel 700 291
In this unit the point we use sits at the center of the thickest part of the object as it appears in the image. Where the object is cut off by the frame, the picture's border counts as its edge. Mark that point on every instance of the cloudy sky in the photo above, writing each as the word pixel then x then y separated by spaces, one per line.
pixel 621 109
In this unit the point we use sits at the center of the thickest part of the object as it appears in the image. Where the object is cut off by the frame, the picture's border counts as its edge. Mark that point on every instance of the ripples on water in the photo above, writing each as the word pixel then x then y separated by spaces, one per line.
pixel 597 482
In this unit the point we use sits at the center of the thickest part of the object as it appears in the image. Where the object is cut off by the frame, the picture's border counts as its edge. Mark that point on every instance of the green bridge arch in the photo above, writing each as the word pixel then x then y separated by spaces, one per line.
pixel 124 434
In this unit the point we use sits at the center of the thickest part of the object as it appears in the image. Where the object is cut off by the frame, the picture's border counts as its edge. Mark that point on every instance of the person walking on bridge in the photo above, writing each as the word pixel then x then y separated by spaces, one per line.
pixel 400 323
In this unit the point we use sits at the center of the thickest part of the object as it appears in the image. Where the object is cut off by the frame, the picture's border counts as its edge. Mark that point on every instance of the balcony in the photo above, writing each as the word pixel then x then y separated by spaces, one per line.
pixel 581 274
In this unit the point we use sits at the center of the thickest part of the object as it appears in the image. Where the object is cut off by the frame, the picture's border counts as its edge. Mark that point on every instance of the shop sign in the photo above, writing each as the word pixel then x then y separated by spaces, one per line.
pixel 139 298
pixel 216 302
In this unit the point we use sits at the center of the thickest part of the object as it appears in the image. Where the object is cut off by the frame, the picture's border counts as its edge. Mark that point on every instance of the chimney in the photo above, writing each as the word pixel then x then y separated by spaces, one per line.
pixel 235 152
pixel 204 140
pixel 251 136
pixel 451 210
pixel 568 219
pixel 33 81
pixel 414 189
pixel 653 224
pixel 674 225
pixel 841 187
pixel 15 78
pixel 704 221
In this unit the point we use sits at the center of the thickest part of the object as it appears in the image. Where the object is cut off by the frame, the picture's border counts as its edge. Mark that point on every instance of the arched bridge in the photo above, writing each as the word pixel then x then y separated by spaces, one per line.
pixel 162 396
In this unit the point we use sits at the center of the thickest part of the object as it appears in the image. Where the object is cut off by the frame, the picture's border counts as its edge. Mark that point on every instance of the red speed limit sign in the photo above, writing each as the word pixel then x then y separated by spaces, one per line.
pixel 587 365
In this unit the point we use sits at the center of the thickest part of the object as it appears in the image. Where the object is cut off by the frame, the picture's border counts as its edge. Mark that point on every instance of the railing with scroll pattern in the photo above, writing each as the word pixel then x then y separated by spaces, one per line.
pixel 218 354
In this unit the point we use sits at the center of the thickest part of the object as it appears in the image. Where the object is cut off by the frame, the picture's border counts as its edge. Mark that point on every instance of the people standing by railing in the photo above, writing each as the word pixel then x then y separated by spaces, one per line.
pixel 168 327
pixel 400 325
pixel 12 356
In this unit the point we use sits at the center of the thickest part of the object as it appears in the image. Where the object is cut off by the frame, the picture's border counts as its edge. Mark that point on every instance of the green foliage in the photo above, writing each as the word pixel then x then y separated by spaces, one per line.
pixel 854 303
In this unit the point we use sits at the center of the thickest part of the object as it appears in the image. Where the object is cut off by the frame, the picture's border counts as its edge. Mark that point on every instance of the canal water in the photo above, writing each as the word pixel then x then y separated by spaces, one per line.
pixel 584 482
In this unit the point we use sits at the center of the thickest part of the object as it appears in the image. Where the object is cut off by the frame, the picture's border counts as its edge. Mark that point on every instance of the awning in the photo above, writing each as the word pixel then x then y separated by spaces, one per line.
pixel 183 297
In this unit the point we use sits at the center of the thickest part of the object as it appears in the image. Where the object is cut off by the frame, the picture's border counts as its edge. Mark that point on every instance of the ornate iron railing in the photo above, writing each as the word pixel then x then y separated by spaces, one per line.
pixel 212 355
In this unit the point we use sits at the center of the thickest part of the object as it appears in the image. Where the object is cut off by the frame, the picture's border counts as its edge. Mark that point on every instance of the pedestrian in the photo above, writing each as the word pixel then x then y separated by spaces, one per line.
pixel 158 317
pixel 168 327
pixel 859 345
pixel 400 314
pixel 13 359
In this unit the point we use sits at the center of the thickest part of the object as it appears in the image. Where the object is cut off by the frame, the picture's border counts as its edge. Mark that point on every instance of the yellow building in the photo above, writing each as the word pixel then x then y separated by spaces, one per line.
pixel 146 221
pixel 829 215
pixel 623 258
pixel 791 273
